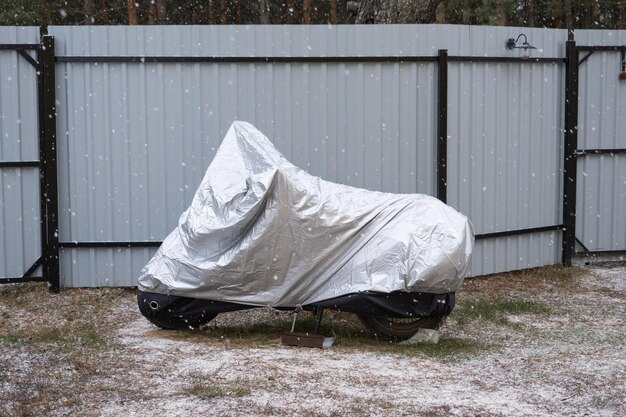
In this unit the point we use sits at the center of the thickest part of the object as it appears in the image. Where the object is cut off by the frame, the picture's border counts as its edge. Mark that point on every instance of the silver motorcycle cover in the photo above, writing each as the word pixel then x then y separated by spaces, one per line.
pixel 260 231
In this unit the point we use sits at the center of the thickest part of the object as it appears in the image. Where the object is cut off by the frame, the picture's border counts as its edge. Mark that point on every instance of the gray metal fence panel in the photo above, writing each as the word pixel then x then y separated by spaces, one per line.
pixel 135 139
pixel 20 236
pixel 505 157
pixel 601 208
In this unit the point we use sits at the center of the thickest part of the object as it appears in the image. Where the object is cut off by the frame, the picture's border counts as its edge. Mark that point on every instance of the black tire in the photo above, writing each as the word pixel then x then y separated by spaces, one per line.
pixel 391 329
pixel 181 323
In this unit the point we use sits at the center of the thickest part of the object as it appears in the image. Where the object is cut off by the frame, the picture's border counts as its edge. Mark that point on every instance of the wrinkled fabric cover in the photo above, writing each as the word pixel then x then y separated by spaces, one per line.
pixel 261 231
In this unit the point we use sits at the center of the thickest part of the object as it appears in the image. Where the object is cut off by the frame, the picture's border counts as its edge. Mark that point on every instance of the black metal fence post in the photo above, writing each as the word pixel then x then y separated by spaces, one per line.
pixel 442 125
pixel 48 163
pixel 569 152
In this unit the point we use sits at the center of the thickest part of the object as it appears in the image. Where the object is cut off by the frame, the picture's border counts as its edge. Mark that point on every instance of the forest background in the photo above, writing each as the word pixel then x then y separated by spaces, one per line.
pixel 573 14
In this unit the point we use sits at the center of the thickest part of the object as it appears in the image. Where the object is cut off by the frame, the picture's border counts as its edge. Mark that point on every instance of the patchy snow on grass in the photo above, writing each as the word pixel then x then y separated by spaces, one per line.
pixel 566 358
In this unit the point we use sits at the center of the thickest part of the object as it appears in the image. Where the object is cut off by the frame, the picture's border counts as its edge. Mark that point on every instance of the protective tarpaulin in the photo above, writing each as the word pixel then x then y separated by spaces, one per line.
pixel 260 231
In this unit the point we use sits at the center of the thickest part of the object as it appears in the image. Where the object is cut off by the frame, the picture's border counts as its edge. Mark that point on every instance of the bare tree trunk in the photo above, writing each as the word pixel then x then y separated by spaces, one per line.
pixel 194 14
pixel 212 20
pixel 152 13
pixel 306 9
pixel 132 12
pixel 440 13
pixel 106 11
pixel 332 18
pixel 397 11
pixel 353 6
pixel 465 19
pixel 621 19
pixel 236 12
pixel 223 19
pixel 368 11
pixel 425 12
pixel 161 11
pixel 264 8
pixel 530 12
pixel 89 8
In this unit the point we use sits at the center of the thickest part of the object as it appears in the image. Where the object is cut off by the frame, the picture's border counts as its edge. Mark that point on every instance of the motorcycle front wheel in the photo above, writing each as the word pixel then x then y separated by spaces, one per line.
pixel 392 329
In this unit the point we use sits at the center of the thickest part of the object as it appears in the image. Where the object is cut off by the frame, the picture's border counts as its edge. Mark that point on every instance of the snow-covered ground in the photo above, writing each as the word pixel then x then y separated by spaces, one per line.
pixel 570 362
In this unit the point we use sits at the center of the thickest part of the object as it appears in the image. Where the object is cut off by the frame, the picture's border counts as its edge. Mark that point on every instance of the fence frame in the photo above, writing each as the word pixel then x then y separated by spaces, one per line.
pixel 441 59
pixel 47 164
pixel 575 154
pixel 44 64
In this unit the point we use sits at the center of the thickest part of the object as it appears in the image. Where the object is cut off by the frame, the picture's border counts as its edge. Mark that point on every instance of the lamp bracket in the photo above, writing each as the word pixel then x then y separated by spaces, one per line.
pixel 510 43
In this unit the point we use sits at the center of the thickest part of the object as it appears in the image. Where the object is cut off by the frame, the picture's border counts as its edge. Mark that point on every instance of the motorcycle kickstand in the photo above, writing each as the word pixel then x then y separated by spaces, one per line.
pixel 305 339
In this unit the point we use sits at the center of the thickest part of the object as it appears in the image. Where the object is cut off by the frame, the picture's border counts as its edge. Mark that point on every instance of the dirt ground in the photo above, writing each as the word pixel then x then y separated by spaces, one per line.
pixel 543 342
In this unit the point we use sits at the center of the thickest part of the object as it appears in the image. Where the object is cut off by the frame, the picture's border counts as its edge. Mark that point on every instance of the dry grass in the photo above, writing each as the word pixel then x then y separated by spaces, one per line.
pixel 71 335
pixel 497 310
pixel 527 282
pixel 60 353
pixel 206 390
pixel 76 321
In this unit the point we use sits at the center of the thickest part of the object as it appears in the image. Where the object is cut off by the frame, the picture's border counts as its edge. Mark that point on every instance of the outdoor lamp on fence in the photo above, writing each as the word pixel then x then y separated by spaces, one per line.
pixel 525 47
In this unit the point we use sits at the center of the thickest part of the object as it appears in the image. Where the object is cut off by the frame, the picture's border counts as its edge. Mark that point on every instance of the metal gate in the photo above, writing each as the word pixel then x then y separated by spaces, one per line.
pixel 597 151
pixel 17 172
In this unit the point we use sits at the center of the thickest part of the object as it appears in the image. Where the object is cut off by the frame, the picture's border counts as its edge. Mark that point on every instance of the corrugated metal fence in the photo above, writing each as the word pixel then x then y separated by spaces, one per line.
pixel 136 135
pixel 20 233
pixel 601 202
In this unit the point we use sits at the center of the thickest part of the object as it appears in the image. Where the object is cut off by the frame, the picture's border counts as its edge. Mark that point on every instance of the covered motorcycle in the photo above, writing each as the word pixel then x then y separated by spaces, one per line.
pixel 262 232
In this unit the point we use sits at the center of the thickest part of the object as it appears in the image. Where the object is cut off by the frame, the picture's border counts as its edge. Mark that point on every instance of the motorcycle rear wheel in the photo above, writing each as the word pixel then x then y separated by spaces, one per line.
pixel 391 329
